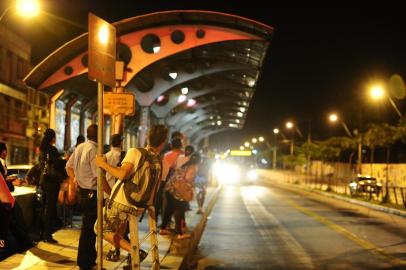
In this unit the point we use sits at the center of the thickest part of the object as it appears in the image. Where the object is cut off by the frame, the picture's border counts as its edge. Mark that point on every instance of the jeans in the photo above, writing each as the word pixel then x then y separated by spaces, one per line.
pixel 87 250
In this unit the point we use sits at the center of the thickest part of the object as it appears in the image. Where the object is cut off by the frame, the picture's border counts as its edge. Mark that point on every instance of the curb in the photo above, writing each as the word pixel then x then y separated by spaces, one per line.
pixel 183 255
pixel 376 207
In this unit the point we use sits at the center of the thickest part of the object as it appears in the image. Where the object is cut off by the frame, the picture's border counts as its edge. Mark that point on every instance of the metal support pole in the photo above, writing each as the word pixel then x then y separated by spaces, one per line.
pixel 395 107
pixel 359 156
pixel 100 119
pixel 117 120
pixel 346 129
pixel 274 158
pixel 144 125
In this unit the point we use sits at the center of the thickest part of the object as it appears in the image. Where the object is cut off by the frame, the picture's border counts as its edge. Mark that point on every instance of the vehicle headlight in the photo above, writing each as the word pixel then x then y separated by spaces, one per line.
pixel 353 185
pixel 252 175
pixel 226 173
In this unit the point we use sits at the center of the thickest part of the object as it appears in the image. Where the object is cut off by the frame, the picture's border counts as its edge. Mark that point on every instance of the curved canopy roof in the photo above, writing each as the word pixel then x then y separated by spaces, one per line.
pixel 215 57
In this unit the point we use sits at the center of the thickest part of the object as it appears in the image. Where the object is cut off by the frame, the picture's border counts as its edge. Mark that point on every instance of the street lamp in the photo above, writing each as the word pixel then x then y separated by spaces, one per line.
pixel 254 140
pixel 261 139
pixel 333 117
pixel 25 8
pixel 377 92
pixel 246 144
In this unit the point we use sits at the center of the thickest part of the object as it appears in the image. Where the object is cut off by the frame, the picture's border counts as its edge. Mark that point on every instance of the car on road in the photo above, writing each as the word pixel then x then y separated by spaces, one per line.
pixel 364 184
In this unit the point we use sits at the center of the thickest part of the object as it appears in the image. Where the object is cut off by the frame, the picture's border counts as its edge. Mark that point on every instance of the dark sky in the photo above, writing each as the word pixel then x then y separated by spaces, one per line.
pixel 321 57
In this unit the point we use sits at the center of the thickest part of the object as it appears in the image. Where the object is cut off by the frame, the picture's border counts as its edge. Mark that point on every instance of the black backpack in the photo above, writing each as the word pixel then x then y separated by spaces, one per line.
pixel 140 187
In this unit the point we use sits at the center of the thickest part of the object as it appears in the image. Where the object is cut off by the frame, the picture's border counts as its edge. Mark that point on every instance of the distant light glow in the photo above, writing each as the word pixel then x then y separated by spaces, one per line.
pixel 219 123
pixel 237 121
pixel 254 140
pixel 211 117
pixel 251 82
pixel 182 98
pixel 246 144
pixel 254 151
pixel 242 148
pixel 232 125
pixel 275 131
pixel 264 161
pixel 261 139
pixel 240 114
pixel 289 125
pixel 242 109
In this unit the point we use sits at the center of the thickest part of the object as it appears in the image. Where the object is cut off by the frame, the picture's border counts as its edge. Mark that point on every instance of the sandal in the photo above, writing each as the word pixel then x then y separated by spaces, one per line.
pixel 113 255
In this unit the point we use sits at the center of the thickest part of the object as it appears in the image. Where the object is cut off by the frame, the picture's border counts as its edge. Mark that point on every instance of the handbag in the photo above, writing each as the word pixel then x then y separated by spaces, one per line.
pixel 179 186
pixel 67 192
pixel 184 189
pixel 48 170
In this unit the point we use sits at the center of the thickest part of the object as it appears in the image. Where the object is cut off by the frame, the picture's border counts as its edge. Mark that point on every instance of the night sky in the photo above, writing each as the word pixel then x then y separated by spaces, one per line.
pixel 321 58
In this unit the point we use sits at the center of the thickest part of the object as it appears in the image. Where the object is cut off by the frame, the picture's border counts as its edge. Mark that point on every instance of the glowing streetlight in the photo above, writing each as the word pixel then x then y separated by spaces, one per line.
pixel 24 8
pixel 261 139
pixel 246 144
pixel 242 148
pixel 289 125
pixel 254 140
pixel 333 117
pixel 377 92
pixel 275 131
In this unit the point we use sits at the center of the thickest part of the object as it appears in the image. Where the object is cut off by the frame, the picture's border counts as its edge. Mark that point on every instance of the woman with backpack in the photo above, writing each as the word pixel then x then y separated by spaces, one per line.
pixel 49 182
pixel 179 191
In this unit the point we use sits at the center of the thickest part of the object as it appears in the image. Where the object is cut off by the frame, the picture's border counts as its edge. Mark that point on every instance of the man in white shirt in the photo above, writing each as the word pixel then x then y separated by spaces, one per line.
pixel 82 167
pixel 117 216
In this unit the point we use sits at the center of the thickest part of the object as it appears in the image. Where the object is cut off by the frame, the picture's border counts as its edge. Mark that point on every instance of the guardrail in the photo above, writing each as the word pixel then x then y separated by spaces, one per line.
pixel 394 195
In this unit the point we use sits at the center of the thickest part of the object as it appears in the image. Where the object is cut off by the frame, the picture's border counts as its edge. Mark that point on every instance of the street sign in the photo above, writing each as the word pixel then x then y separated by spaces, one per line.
pixel 102 51
pixel 119 103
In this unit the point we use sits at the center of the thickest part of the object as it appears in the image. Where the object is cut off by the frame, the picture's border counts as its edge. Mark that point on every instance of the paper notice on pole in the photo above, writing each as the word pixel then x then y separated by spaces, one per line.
pixel 119 103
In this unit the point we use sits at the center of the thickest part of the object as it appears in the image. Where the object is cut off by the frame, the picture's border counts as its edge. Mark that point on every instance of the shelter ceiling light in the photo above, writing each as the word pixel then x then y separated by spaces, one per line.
pixel 219 123
pixel 240 114
pixel 242 109
pixel 173 75
pixel 191 102
pixel 184 90
pixel 237 121
pixel 261 139
pixel 182 98
pixel 160 98
pixel 156 49
pixel 251 82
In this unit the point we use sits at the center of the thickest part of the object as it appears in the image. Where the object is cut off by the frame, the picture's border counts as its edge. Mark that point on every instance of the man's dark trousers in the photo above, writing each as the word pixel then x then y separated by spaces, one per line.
pixel 87 251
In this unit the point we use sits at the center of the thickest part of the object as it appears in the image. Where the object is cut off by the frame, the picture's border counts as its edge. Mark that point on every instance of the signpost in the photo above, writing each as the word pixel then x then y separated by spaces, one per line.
pixel 102 60
pixel 119 103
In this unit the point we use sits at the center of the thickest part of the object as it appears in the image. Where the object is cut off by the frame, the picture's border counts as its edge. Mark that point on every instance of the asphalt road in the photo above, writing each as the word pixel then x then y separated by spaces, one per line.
pixel 256 227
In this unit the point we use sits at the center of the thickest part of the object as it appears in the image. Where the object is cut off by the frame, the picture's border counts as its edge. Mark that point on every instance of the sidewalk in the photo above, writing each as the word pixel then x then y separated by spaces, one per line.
pixel 172 253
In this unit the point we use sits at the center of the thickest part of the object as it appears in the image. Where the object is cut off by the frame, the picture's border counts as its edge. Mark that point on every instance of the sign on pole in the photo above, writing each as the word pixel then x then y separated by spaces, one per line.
pixel 102 51
pixel 102 63
pixel 119 103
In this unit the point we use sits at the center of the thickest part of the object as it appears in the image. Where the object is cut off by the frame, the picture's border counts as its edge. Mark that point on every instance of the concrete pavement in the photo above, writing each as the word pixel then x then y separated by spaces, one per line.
pixel 172 253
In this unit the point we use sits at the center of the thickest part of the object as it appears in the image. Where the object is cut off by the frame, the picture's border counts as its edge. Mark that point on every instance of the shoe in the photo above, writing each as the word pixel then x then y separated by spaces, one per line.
pixel 113 255
pixel 50 240
pixel 183 236
pixel 143 255
pixel 164 232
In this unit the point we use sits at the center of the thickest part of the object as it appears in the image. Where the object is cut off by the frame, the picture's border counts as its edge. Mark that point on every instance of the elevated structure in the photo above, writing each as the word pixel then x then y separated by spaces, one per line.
pixel 195 71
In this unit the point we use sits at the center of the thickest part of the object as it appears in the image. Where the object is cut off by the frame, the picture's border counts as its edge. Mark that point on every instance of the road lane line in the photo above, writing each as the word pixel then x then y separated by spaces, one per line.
pixel 361 242
pixel 257 212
